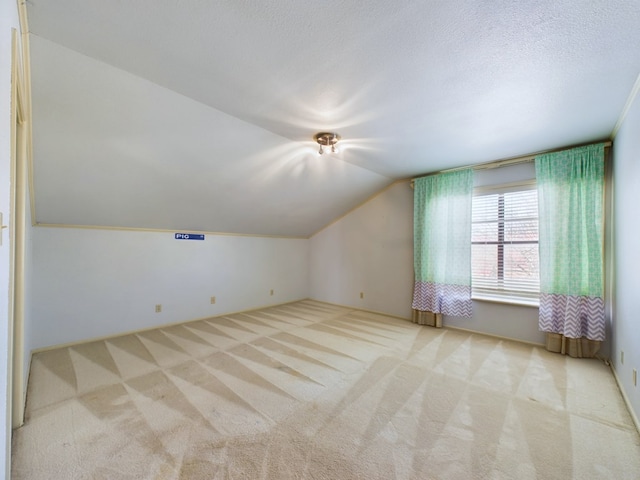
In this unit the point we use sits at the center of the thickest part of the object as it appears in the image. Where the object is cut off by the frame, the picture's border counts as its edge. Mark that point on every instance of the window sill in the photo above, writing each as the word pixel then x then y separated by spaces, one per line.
pixel 522 302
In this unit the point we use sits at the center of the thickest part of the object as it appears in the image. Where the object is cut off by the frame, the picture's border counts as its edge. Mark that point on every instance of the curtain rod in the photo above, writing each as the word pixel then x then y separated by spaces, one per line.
pixel 509 161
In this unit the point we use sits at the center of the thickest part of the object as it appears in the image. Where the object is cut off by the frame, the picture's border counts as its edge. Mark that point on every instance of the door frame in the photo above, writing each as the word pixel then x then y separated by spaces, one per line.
pixel 17 231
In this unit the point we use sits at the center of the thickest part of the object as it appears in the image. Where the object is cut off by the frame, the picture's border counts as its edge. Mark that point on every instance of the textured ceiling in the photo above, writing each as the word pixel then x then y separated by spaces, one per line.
pixel 199 115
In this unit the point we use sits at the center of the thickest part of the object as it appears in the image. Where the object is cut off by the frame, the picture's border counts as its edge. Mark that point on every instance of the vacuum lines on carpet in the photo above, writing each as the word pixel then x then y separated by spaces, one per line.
pixel 314 391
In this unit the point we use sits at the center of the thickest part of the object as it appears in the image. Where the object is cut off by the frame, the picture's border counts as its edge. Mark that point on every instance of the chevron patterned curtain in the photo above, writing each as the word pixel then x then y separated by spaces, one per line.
pixel 442 246
pixel 570 198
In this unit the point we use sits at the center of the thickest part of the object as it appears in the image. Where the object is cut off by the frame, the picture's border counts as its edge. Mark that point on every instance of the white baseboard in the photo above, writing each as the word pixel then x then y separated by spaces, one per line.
pixel 163 325
pixel 627 402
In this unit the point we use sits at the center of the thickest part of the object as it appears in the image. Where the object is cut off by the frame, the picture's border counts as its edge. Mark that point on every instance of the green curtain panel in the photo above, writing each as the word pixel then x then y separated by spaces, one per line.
pixel 570 198
pixel 442 243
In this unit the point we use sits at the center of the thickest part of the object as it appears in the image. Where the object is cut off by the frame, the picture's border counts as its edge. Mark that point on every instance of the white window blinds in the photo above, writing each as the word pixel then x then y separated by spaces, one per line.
pixel 504 251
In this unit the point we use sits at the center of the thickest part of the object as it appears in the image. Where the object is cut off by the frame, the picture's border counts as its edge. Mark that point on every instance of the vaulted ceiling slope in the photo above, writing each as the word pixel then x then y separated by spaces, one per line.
pixel 199 115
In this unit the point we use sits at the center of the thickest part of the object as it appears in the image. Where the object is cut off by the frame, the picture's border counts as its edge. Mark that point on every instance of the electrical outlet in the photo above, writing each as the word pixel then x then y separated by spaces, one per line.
pixel 622 357
pixel 635 377
pixel 213 300
pixel 361 294
pixel 158 308
pixel 271 292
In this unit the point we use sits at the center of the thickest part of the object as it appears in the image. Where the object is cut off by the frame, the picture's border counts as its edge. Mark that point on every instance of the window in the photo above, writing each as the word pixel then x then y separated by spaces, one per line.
pixel 504 250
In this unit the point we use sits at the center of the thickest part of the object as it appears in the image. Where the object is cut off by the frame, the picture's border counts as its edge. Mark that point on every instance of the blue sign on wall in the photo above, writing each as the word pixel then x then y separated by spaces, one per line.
pixel 189 236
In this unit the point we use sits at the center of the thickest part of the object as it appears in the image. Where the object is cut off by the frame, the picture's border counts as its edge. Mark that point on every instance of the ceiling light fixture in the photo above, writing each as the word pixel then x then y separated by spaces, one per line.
pixel 326 139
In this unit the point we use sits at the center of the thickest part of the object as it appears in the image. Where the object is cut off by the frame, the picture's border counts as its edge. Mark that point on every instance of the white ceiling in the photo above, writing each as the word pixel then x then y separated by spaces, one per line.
pixel 199 115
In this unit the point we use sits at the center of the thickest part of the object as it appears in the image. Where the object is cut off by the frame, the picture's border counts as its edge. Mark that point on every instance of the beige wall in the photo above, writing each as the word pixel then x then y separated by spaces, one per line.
pixel 371 251
pixel 91 283
pixel 626 292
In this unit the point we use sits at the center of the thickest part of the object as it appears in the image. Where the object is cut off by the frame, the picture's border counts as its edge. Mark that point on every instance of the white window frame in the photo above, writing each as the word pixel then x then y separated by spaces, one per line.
pixel 505 296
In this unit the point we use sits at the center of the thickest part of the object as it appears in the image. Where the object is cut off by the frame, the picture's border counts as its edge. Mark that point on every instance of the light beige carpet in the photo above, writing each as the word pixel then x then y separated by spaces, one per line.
pixel 314 391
